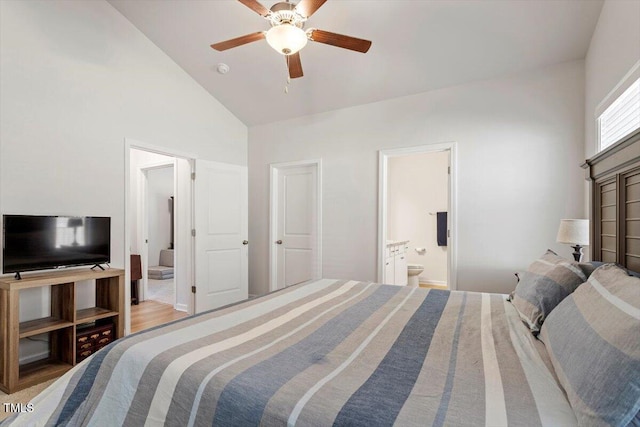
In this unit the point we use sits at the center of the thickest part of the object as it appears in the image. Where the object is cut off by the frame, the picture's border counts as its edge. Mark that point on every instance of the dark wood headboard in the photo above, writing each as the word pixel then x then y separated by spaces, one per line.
pixel 615 203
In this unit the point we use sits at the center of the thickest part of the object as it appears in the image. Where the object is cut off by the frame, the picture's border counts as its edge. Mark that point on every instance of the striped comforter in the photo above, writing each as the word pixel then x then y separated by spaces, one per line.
pixel 322 353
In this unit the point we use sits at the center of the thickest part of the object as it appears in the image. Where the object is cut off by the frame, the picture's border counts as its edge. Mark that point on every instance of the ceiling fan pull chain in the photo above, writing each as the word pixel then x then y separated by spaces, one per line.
pixel 286 86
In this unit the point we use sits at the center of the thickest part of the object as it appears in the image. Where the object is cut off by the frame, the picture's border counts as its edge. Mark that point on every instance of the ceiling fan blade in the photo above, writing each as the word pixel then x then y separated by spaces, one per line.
pixel 238 41
pixel 307 8
pixel 339 40
pixel 295 66
pixel 255 6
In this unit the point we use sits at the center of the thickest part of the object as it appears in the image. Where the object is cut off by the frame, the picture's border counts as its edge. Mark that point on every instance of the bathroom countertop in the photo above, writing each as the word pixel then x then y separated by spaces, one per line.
pixel 396 242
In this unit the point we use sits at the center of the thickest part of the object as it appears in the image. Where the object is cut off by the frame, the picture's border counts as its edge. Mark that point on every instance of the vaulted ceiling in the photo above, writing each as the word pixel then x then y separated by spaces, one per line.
pixel 418 45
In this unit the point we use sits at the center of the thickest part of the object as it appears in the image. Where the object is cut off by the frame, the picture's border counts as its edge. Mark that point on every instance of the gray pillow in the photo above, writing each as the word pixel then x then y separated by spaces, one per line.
pixel 593 340
pixel 597 264
pixel 547 281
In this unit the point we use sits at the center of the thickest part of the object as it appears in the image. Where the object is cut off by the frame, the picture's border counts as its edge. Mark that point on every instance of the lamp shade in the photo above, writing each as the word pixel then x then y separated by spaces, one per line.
pixel 74 222
pixel 286 39
pixel 574 231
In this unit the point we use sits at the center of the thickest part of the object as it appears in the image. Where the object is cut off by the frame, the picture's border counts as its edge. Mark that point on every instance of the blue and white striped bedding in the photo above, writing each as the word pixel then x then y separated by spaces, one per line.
pixel 324 353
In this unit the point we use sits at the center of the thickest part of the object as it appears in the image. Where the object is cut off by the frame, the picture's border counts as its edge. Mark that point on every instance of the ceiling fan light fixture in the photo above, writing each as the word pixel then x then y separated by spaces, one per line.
pixel 286 39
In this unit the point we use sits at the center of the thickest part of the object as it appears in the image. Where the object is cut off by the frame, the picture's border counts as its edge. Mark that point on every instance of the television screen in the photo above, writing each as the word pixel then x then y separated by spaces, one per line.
pixel 41 242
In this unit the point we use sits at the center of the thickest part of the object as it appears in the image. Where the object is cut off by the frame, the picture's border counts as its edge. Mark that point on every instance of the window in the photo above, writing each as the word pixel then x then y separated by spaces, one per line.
pixel 621 118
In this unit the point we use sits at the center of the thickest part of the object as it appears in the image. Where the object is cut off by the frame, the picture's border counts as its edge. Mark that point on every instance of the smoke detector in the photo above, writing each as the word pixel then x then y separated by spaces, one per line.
pixel 222 68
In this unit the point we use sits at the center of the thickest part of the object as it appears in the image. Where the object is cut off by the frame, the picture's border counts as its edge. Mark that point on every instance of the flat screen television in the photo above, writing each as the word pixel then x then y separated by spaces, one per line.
pixel 37 242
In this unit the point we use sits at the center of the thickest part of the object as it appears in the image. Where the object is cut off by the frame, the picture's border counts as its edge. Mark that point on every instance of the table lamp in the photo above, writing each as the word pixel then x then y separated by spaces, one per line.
pixel 74 223
pixel 574 232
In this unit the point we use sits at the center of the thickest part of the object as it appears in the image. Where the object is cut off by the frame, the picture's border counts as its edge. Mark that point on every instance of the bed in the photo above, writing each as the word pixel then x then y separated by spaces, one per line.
pixel 322 353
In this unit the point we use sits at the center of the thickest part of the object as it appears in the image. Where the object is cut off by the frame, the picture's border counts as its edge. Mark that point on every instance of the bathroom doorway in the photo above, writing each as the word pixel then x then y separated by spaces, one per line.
pixel 417 238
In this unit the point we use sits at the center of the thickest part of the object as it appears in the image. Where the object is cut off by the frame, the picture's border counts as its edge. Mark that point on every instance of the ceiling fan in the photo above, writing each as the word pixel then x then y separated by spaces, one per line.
pixel 286 34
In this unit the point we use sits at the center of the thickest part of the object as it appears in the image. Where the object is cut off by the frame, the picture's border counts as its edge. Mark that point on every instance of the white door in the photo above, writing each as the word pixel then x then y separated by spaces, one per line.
pixel 221 234
pixel 295 243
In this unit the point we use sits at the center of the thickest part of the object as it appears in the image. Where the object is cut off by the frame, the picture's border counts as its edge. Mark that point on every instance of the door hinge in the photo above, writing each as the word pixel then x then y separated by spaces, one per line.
pixel 448 233
pixel 449 170
pixel 193 175
pixel 193 289
pixel 193 232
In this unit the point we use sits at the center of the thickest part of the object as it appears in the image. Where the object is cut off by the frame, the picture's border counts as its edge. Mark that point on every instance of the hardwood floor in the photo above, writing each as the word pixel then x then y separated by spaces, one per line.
pixel 151 313
pixel 433 286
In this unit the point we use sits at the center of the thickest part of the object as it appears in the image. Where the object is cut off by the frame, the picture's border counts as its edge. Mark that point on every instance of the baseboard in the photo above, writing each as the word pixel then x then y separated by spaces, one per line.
pixel 182 307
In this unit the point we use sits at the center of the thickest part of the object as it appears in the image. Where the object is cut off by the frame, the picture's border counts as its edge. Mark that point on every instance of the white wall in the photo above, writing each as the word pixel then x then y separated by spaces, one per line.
pixel 520 144
pixel 417 188
pixel 614 50
pixel 77 79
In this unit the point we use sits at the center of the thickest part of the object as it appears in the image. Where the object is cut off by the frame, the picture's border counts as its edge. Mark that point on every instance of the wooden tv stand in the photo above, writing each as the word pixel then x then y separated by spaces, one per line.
pixel 60 325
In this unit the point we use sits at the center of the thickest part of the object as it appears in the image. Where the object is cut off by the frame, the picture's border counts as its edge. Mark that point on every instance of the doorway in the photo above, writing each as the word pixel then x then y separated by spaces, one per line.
pixel 157 218
pixel 417 216
pixel 296 223
pixel 159 231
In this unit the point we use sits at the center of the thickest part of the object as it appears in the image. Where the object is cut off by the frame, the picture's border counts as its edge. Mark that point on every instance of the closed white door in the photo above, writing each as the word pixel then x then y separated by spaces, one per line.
pixel 296 225
pixel 221 244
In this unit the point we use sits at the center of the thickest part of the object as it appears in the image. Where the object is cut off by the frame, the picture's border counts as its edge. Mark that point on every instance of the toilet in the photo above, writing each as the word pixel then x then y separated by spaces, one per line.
pixel 414 274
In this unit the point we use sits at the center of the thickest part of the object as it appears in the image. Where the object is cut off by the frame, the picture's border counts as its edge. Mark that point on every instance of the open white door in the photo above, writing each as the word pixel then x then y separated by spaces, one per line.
pixel 221 245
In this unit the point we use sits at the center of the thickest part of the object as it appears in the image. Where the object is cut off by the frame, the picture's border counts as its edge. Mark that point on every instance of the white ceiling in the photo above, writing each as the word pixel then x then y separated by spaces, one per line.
pixel 418 45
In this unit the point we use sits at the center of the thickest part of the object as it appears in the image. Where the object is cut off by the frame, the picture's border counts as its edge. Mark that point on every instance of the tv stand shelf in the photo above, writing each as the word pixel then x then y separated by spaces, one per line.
pixel 40 326
pixel 92 314
pixel 61 324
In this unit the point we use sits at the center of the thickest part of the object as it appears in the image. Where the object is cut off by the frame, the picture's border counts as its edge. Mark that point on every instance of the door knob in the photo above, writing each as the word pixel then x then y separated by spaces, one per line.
pixel 245 242
pixel 279 242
